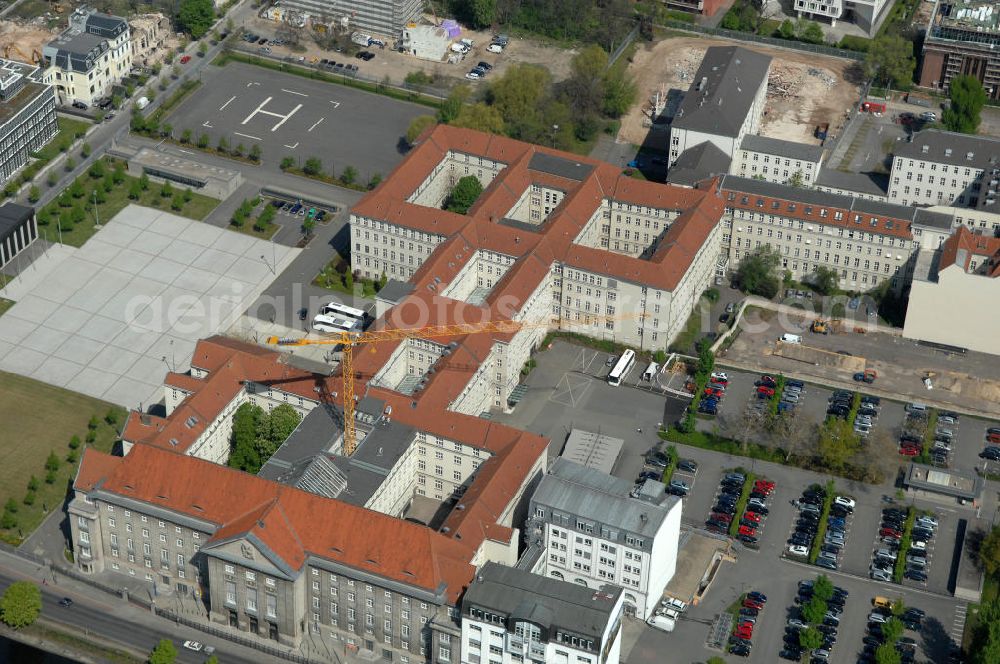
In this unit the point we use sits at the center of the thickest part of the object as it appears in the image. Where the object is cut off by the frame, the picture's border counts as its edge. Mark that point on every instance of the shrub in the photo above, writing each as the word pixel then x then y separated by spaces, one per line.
pixel 91 437
pixel 74 442
pixel 29 498
pixel 50 477
pixel 52 463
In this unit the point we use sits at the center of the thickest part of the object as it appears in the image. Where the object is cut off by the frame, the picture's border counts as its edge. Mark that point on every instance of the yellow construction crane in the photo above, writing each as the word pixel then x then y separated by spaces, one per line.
pixel 351 339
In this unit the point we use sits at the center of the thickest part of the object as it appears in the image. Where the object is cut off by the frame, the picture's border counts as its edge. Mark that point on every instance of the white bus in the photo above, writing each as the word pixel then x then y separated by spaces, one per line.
pixel 324 323
pixel 338 309
pixel 622 367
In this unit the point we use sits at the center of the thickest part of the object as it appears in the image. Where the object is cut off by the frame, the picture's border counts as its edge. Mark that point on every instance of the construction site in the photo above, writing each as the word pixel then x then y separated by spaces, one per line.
pixel 804 90
pixel 24 40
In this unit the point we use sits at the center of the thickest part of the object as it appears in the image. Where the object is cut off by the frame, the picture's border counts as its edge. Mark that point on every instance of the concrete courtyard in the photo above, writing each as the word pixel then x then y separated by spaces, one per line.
pixel 111 318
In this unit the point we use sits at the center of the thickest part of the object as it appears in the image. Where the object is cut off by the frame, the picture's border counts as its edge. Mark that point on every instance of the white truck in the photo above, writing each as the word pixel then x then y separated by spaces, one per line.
pixel 361 38
pixel 662 623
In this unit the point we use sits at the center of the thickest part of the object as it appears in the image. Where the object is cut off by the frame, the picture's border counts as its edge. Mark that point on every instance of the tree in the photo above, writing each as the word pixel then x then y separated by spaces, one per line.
pixel 34 194
pixel 453 103
pixel 758 272
pixel 891 57
pixel 349 175
pixel 277 427
pixel 887 654
pixel 196 17
pixel 96 170
pixel 480 117
pixel 584 89
pixel 223 144
pixel 825 280
pixel 85 150
pixel 186 136
pixel 286 163
pixel 374 180
pixel 98 196
pixel 166 191
pixel 255 152
pixel 967 100
pixel 989 552
pixel 243 450
pixel 417 127
pixel 52 463
pixel 812 33
pixel 108 183
pixel 986 639
pixel 177 202
pixel 21 604
pixel 814 610
pixel 476 13
pixel 520 95
pixel 119 173
pixel 165 652
pixel 239 150
pixel 837 443
pixel 203 140
pixel 465 193
pixel 892 629
pixel 810 638
pixel 823 588
pixel 313 166
pixel 135 191
pixel 619 93
pixel 33 483
pixel 787 29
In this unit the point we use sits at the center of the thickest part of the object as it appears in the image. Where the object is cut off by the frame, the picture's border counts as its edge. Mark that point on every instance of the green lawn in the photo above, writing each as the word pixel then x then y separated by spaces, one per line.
pixel 330 279
pixel 5 305
pixel 251 230
pixel 68 130
pixel 39 419
pixel 76 234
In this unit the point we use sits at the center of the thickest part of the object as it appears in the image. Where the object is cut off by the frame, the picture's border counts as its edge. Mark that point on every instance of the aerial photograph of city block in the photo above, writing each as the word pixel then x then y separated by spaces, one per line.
pixel 500 331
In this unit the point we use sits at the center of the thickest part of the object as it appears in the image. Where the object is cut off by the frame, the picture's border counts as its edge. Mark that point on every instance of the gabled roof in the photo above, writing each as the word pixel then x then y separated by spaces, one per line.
pixel 293 524
pixel 695 164
pixel 964 245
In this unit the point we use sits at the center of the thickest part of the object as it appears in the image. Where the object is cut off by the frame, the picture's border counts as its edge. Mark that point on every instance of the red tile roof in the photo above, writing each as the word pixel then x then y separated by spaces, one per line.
pixel 292 523
pixel 963 245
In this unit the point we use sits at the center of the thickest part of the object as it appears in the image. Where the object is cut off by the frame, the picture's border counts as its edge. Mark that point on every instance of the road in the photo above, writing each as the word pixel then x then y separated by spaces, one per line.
pixel 104 621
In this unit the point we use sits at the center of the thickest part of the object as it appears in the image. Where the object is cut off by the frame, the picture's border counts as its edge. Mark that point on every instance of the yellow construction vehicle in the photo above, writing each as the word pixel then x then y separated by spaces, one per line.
pixel 819 326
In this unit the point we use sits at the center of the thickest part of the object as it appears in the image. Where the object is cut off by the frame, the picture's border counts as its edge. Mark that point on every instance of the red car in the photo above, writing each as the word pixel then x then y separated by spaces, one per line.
pixel 744 630
pixel 747 530
pixel 765 390
pixel 763 486
pixel 889 532
pixel 709 392
pixel 185 59
pixel 752 516
pixel 993 437
pixel 909 451
pixel 719 516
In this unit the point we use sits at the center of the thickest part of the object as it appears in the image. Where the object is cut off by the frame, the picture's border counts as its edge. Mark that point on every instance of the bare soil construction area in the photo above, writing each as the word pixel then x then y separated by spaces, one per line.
pixel 804 89
pixel 27 37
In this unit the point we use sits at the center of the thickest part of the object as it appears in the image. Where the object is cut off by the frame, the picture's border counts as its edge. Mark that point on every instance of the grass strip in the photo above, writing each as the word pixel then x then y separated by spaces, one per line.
pixel 904 545
pixel 81 644
pixel 741 505
pixel 824 517
pixel 929 433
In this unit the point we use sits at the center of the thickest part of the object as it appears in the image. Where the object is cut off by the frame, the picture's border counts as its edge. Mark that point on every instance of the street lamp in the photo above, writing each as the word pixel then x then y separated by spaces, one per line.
pixel 97 213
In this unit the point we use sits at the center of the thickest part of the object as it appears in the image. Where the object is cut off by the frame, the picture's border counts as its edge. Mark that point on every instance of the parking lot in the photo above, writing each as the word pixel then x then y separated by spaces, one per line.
pixel 289 115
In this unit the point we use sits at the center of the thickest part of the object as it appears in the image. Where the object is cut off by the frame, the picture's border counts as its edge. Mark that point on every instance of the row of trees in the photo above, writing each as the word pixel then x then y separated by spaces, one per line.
pixel 761 273
pixel 603 22
pixel 526 104
pixel 314 168
pixel 257 434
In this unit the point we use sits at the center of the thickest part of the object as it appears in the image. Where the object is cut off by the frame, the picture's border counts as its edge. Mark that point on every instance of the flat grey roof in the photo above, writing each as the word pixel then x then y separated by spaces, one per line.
pixel 12 217
pixel 590 494
pixel 934 219
pixel 395 291
pixel 698 163
pixel 947 147
pixel 776 146
pixel 593 450
pixel 723 90
pixel 876 184
pixel 305 459
pixel 949 482
pixel 550 603
pixel 553 165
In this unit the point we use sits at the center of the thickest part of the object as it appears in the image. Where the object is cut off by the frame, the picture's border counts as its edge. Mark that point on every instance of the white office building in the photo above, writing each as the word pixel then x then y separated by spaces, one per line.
pixel 510 616
pixel 594 533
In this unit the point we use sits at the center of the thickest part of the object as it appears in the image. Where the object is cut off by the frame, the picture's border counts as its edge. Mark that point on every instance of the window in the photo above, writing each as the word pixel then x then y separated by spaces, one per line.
pixel 444 654
pixel 251 576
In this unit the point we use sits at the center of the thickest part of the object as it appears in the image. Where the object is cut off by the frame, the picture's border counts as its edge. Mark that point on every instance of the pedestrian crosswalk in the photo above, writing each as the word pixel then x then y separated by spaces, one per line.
pixel 958 624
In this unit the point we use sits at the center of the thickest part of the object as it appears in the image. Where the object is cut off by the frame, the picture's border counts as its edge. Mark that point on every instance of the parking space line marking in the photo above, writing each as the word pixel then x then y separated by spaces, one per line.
pixel 252 83
pixel 292 147
pixel 206 124
pixel 256 138
pixel 316 123
pixel 336 104
pixel 227 103
pixel 293 92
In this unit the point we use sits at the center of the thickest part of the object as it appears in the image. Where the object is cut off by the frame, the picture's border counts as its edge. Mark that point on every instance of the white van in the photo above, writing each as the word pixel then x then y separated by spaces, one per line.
pixel 650 371
pixel 662 623
pixel 916 408
pixel 791 338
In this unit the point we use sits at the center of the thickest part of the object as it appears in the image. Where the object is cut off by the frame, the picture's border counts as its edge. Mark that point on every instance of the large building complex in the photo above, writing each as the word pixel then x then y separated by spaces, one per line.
pixel 593 532
pixel 962 38
pixel 511 616
pixel 384 18
pixel 724 103
pixel 27 115
pixel 91 56
pixel 556 240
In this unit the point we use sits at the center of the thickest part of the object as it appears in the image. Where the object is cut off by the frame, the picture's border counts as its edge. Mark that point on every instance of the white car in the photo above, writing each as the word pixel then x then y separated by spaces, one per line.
pixel 472 76
pixel 798 550
pixel 880 575
pixel 193 645
pixel 928 521
pixel 720 375
pixel 876 617
pixel 673 603
pixel 918 545
pixel 495 48
pixel 845 502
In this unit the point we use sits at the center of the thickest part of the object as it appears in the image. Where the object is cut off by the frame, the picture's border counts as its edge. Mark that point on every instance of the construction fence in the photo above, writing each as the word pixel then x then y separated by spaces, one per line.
pixel 821 49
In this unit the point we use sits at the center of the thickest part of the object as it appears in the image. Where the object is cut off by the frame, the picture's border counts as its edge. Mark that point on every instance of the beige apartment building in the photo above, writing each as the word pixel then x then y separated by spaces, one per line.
pixel 775 160
pixel 866 242
pixel 90 57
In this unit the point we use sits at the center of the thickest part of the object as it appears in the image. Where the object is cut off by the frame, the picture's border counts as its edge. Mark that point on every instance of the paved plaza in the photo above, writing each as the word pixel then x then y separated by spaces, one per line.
pixel 111 318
